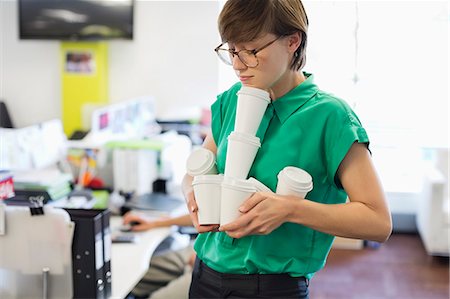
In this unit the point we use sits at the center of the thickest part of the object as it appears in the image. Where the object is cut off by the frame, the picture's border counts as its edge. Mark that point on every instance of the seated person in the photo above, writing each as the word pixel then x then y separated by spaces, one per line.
pixel 169 274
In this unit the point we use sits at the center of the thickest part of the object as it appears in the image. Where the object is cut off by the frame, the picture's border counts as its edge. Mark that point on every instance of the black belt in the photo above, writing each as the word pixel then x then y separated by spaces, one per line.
pixel 261 282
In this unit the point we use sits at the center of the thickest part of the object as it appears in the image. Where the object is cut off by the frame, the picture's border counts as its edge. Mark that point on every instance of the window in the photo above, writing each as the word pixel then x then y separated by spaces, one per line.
pixel 388 59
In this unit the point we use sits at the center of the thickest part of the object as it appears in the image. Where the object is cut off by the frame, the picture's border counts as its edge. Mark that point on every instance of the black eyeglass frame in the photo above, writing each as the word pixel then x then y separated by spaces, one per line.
pixel 251 52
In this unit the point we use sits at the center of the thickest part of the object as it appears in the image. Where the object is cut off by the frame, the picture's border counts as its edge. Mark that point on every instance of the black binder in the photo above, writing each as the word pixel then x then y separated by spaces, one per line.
pixel 107 253
pixel 87 254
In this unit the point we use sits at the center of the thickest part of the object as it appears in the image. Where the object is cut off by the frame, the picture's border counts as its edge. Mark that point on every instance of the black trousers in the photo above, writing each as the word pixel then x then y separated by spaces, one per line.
pixel 208 283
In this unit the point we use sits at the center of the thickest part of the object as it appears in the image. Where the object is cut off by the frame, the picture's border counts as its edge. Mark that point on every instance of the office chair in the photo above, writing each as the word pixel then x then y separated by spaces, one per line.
pixel 5 119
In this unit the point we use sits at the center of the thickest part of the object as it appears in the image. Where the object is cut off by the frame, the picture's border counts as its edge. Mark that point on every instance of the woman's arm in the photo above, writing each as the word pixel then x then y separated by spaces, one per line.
pixel 366 216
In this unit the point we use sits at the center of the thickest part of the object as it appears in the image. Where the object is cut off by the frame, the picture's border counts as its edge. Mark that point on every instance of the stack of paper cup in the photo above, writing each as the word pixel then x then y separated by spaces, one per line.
pixel 294 181
pixel 201 161
pixel 207 191
pixel 234 193
pixel 243 145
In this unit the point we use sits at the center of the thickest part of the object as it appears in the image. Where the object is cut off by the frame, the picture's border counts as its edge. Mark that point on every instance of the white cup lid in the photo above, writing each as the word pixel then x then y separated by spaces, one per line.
pixel 244 137
pixel 238 184
pixel 200 161
pixel 208 179
pixel 258 185
pixel 296 178
pixel 252 91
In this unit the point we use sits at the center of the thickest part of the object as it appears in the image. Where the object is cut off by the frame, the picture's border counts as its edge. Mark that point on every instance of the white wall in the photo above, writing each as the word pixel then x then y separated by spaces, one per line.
pixel 151 64
pixel 29 72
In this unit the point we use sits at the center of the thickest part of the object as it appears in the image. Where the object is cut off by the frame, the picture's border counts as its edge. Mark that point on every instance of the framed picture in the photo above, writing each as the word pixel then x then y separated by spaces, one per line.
pixel 80 62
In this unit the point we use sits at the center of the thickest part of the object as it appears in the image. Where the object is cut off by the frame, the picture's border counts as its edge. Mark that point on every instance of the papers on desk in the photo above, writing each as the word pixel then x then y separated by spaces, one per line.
pixel 31 147
pixel 40 177
pixel 50 180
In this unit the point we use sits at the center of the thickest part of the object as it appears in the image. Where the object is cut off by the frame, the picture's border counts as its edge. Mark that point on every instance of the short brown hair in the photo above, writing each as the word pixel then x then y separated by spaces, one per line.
pixel 246 20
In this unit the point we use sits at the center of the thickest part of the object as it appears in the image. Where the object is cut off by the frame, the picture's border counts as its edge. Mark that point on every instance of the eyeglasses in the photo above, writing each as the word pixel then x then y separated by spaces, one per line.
pixel 247 57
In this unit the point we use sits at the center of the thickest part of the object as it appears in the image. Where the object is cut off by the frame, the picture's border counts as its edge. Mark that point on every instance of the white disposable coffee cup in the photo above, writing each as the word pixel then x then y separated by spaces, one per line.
pixel 260 187
pixel 201 161
pixel 241 152
pixel 294 181
pixel 234 193
pixel 251 105
pixel 207 191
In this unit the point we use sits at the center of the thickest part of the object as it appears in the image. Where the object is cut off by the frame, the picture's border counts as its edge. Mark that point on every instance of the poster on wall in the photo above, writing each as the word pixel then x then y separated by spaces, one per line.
pixel 80 62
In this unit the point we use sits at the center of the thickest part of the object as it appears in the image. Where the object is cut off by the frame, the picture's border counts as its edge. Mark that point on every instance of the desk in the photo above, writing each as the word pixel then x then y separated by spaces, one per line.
pixel 130 261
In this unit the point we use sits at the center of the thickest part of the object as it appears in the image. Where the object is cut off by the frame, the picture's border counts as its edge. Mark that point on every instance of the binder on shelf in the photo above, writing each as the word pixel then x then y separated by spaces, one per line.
pixel 107 253
pixel 87 253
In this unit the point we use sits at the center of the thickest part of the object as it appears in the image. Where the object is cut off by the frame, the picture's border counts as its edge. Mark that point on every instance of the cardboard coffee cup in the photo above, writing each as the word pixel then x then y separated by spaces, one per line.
pixel 207 191
pixel 241 152
pixel 251 105
pixel 294 181
pixel 234 193
pixel 201 161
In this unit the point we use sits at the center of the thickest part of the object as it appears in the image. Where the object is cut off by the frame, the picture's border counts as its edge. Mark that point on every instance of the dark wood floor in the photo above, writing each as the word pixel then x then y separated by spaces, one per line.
pixel 398 269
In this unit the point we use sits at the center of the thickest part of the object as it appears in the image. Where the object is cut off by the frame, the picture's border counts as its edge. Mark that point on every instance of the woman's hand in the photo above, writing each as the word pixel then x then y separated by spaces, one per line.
pixel 193 212
pixel 261 214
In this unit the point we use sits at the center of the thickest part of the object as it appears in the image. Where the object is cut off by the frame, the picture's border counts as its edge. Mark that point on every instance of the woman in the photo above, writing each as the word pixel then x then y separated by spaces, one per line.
pixel 279 242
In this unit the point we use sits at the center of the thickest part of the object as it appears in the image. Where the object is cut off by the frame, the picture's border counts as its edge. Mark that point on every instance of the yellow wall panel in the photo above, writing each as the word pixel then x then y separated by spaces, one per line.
pixel 84 80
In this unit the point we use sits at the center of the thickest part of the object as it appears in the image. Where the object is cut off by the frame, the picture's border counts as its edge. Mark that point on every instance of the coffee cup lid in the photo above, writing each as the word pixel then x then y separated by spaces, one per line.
pixel 244 137
pixel 258 185
pixel 238 184
pixel 208 179
pixel 200 161
pixel 296 178
pixel 252 91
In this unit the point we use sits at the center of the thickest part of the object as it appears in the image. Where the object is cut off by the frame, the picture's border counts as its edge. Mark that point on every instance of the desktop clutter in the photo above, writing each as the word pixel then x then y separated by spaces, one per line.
pixel 68 257
pixel 48 250
pixel 61 236
pixel 219 196
pixel 56 199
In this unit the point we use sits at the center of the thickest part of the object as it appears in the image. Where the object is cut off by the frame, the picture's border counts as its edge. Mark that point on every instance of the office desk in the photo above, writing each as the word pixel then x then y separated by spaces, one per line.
pixel 130 261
